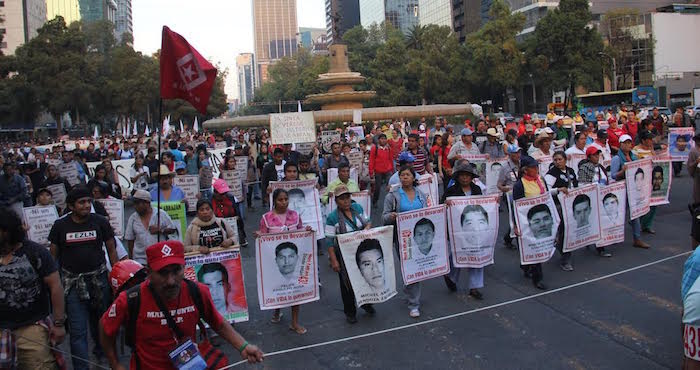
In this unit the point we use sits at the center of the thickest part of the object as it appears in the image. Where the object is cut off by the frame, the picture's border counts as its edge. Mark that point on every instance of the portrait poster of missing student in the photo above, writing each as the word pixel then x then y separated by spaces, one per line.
pixel 581 217
pixel 612 209
pixel 538 220
pixel 638 180
pixel 660 180
pixel 369 261
pixel 305 200
pixel 221 272
pixel 680 142
pixel 287 273
pixel 473 229
pixel 423 244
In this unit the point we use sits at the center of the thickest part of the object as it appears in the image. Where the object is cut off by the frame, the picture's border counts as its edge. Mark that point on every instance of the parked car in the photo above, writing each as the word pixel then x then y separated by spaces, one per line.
pixel 693 111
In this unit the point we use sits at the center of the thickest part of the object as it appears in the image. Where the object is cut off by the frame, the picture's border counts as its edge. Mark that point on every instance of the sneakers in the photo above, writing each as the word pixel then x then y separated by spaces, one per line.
pixel 450 284
pixel 604 254
pixel 566 267
pixel 641 244
pixel 414 313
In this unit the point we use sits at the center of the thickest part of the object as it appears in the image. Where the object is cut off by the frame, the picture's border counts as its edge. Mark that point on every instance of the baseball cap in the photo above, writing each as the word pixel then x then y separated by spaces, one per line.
pixel 340 190
pixel 624 138
pixel 141 195
pixel 527 161
pixel 592 150
pixel 170 252
pixel 466 132
pixel 220 186
pixel 512 148
pixel 602 133
pixel 406 157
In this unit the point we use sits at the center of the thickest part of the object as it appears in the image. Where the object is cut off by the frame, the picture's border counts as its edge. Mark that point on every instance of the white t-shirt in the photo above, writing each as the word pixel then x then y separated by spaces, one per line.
pixel 280 171
pixel 142 182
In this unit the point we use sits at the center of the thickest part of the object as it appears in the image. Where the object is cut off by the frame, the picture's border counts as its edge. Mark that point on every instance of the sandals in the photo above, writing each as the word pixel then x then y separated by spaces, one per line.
pixel 299 329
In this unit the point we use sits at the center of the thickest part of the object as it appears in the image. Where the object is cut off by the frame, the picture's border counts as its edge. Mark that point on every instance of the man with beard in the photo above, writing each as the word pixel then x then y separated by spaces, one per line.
pixel 30 288
pixel 76 242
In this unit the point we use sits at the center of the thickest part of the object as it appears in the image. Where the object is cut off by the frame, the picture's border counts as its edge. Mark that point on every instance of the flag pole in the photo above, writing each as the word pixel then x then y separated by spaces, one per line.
pixel 160 128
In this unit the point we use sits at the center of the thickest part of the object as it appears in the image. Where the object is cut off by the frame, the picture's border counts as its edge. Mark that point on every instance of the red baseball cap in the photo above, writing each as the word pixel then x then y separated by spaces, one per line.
pixel 592 150
pixel 165 253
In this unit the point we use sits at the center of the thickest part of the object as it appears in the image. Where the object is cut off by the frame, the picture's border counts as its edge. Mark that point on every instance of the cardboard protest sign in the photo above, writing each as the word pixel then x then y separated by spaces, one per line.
pixel 305 200
pixel 473 229
pixel 190 185
pixel 329 137
pixel 58 195
pixel 176 211
pixel 122 167
pixel 612 209
pixel 232 222
pixel 69 172
pixel 39 219
pixel 581 217
pixel 291 128
pixel 363 198
pixel 537 219
pixel 287 269
pixel 235 182
pixel 493 171
pixel 115 210
pixel 638 180
pixel 423 244
pixel 221 272
pixel 369 261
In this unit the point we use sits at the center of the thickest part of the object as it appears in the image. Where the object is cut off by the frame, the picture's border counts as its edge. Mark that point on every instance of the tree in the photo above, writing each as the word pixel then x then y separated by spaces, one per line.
pixel 616 26
pixel 389 77
pixel 566 49
pixel 495 61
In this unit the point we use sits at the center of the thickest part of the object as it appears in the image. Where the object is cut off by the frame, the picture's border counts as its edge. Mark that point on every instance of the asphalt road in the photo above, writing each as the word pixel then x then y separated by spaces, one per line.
pixel 629 320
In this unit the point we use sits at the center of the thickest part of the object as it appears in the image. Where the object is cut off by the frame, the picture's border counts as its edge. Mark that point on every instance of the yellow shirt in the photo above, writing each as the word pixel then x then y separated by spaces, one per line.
pixel 531 188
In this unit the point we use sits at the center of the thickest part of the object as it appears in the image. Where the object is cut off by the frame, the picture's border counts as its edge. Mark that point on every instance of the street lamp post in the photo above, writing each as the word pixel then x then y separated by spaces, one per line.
pixel 614 70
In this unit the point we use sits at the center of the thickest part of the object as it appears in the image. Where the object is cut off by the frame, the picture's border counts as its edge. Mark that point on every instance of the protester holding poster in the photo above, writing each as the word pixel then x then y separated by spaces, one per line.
pixel 618 170
pixel 592 172
pixel 225 206
pixel 561 176
pixel 473 229
pixel 581 216
pixel 493 171
pixel 287 271
pixel 612 211
pixel 346 218
pixel 680 142
pixel 282 219
pixel 660 181
pixel 370 264
pixel 406 198
pixel 207 231
pixel 57 185
pixel 39 221
pixel 645 149
pixel 536 219
pixel 190 185
pixel 222 273
pixel 303 198
pixel 506 179
pixel 343 179
pixel 166 191
pixel 137 235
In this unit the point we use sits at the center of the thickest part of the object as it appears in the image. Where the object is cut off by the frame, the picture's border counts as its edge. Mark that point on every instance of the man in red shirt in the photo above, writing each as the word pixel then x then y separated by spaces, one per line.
pixel 156 340
pixel 381 165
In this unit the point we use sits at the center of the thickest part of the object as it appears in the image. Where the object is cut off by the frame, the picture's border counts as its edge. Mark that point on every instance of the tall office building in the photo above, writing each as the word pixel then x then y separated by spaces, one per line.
pixel 85 10
pixel 402 14
pixel 124 22
pixel 435 12
pixel 274 32
pixel 22 19
pixel 245 64
pixel 307 36
pixel 349 12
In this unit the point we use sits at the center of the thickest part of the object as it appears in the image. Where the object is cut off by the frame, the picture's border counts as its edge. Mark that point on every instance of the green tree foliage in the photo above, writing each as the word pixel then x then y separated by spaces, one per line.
pixel 565 49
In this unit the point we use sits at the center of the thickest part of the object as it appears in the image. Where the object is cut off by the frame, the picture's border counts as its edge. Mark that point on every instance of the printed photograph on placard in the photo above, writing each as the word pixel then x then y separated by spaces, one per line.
pixel 287 272
pixel 473 226
pixel 660 180
pixel 423 244
pixel 581 217
pixel 493 171
pixel 538 220
pixel 369 261
pixel 680 142
pixel 612 209
pixel 221 272
pixel 304 198
pixel 639 182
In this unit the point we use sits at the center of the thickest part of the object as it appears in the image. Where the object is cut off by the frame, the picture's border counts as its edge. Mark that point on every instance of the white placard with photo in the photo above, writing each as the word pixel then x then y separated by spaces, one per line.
pixel 369 261
pixel 581 217
pixel 493 171
pixel 473 228
pixel 638 180
pixel 423 244
pixel 538 220
pixel 661 177
pixel 305 200
pixel 612 209
pixel 287 272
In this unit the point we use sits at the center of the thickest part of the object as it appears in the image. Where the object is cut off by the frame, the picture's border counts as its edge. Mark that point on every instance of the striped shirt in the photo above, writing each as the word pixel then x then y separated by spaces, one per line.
pixel 421 158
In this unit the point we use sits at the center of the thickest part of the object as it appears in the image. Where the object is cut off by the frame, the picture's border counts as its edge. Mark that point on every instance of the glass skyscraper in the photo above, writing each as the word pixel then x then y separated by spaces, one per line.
pixel 437 12
pixel 86 10
pixel 402 14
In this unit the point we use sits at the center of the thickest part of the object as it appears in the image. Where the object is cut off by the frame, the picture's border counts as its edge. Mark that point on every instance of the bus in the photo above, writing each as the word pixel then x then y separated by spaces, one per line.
pixel 592 104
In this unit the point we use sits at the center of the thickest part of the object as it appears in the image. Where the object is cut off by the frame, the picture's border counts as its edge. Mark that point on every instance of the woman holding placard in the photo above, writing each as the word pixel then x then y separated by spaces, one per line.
pixel 406 198
pixel 561 176
pixel 281 219
pixel 464 174
pixel 207 231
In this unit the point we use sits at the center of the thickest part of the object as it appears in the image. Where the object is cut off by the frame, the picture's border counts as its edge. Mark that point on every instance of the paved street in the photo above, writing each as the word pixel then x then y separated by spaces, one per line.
pixel 630 320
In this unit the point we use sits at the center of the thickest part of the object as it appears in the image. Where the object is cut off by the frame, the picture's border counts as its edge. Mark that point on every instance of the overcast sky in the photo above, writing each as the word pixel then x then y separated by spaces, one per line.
pixel 218 29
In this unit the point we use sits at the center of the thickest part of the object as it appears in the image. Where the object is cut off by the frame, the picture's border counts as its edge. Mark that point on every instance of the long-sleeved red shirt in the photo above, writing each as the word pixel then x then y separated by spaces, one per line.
pixel 381 160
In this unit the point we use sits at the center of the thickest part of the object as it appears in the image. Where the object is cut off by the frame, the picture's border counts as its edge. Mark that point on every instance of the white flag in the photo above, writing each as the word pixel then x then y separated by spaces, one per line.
pixel 147 132
pixel 166 125
pixel 135 131
pixel 182 128
pixel 95 135
pixel 299 106
pixel 196 124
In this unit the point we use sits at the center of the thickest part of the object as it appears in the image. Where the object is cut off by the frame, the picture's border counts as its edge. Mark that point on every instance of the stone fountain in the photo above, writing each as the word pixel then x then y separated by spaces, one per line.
pixel 340 81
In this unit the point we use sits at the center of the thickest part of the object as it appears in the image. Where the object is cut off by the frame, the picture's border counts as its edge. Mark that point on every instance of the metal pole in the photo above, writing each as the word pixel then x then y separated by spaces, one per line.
pixel 614 73
pixel 160 128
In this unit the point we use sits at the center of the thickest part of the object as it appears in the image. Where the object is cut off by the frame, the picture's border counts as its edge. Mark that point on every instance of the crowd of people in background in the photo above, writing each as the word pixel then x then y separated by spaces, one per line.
pixel 69 280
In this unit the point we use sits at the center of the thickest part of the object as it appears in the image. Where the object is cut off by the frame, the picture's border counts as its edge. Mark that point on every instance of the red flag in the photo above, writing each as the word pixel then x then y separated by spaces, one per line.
pixel 184 73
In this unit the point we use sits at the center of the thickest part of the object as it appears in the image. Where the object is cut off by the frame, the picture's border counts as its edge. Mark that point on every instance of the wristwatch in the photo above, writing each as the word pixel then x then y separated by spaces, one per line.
pixel 59 323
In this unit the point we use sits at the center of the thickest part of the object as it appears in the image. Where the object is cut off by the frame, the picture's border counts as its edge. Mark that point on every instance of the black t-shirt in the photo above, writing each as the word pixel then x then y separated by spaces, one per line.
pixel 80 245
pixel 211 236
pixel 24 298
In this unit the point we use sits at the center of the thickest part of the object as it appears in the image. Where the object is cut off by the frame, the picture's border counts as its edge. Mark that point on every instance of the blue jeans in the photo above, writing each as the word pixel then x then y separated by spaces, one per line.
pixel 82 316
